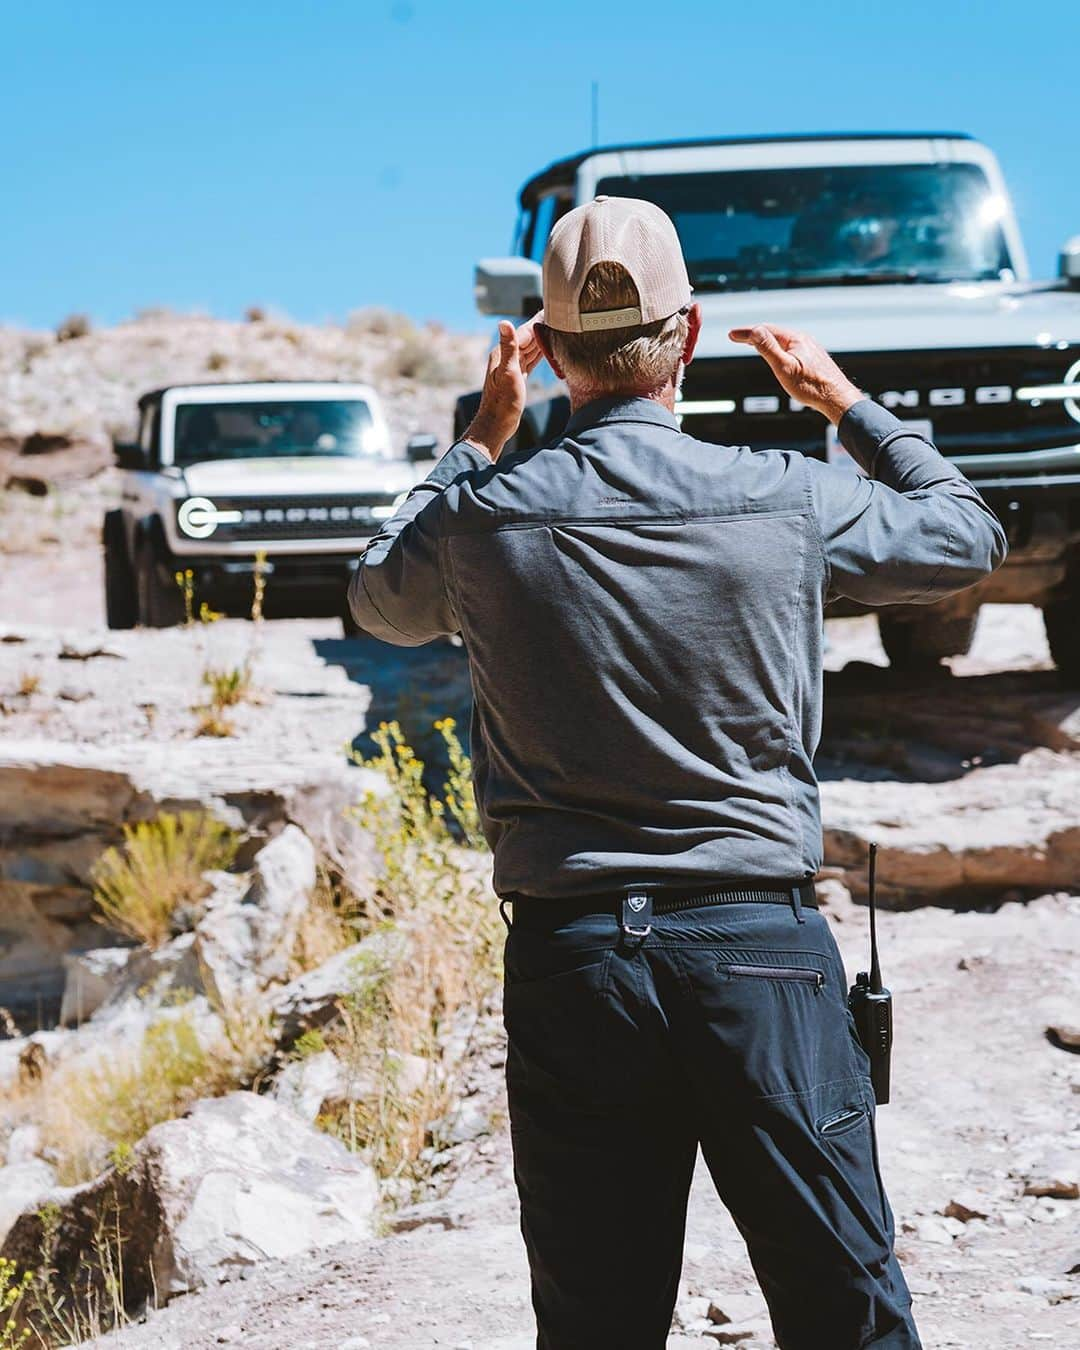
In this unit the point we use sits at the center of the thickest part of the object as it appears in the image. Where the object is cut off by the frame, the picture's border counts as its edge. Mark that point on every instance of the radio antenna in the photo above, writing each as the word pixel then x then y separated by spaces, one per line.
pixel 875 968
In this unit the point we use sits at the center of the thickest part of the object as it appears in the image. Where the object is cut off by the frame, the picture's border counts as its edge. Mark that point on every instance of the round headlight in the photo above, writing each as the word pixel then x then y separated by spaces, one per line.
pixel 198 517
pixel 1072 406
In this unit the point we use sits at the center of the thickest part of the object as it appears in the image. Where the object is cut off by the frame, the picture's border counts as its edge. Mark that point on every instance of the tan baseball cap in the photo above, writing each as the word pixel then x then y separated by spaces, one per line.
pixel 637 234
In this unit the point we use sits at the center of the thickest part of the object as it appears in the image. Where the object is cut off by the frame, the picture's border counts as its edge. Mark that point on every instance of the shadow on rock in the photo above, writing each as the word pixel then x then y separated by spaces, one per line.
pixel 414 686
pixel 932 727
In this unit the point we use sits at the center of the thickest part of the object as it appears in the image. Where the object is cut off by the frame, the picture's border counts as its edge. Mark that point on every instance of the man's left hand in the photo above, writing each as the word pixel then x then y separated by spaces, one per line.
pixel 503 399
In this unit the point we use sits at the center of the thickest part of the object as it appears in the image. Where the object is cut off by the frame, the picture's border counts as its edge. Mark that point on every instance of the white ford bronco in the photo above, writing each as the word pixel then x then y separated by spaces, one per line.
pixel 303 473
pixel 902 255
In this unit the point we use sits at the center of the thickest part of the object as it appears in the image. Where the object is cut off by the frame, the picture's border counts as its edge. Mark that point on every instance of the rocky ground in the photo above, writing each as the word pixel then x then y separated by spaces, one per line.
pixel 982 1110
pixel 979 1146
pixel 969 782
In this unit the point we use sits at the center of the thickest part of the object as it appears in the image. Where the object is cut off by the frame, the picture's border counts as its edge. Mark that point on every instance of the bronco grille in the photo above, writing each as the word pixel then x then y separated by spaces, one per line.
pixel 969 396
pixel 336 517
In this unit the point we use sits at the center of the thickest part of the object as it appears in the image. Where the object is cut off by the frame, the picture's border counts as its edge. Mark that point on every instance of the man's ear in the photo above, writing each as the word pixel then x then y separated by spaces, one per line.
pixel 540 332
pixel 693 320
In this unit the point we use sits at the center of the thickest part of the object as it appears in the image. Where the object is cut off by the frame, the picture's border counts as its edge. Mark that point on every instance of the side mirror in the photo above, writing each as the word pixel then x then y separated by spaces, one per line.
pixel 509 287
pixel 129 455
pixel 422 447
pixel 1069 261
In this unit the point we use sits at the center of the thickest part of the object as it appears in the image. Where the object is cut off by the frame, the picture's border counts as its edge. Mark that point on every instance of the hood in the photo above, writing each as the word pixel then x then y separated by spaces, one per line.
pixel 299 476
pixel 900 318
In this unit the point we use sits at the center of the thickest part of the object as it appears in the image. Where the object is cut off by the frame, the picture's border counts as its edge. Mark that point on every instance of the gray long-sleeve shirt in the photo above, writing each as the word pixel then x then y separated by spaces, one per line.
pixel 642 614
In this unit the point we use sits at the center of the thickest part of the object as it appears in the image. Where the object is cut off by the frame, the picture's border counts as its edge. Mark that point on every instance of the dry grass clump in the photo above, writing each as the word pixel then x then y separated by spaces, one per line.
pixel 433 892
pixel 154 884
pixel 334 921
pixel 228 686
pixel 93 1113
pixel 87 1113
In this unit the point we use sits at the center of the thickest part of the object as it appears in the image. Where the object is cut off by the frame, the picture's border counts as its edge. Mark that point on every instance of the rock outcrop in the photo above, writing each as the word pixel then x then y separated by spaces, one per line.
pixel 244 947
pixel 74 772
pixel 1010 826
pixel 238 1179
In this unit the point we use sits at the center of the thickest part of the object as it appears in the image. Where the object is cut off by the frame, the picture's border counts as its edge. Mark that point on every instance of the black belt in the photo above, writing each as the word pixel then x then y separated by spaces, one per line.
pixel 667 899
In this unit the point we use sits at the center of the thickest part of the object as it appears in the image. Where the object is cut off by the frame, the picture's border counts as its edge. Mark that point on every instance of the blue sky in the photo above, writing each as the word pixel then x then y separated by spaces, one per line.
pixel 321 156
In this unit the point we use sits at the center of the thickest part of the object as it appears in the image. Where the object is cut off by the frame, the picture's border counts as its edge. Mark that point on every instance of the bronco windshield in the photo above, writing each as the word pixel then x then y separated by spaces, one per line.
pixel 760 228
pixel 258 430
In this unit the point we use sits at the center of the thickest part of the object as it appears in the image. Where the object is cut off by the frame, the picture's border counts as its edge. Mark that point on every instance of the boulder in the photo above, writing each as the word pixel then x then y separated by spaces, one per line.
pixel 90 979
pixel 244 945
pixel 312 999
pixel 23 1145
pixel 319 1082
pixel 998 828
pixel 237 1180
pixel 23 1185
pixel 305 1084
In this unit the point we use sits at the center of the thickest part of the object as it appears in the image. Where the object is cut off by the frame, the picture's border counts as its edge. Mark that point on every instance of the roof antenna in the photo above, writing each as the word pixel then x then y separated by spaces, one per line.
pixel 595 113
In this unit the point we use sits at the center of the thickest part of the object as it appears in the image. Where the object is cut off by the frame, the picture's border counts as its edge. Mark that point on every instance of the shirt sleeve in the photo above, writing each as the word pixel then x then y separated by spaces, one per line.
pixel 398 592
pixel 912 532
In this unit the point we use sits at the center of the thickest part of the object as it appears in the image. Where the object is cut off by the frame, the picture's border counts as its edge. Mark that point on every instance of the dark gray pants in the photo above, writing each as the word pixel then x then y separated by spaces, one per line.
pixel 727 1026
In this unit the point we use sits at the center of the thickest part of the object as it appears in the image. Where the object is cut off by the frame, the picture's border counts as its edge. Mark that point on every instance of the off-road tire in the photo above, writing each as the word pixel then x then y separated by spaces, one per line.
pixel 121 599
pixel 921 644
pixel 1062 622
pixel 161 604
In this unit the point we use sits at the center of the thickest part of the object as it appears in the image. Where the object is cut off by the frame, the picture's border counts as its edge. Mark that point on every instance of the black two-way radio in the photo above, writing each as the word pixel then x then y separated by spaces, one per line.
pixel 871 1005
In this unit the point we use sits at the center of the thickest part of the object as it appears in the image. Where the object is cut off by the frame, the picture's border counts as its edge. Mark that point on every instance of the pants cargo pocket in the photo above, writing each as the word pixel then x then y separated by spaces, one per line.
pixel 846 1133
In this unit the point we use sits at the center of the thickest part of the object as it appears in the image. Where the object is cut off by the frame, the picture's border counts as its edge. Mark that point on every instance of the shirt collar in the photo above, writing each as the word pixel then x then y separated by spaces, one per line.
pixel 620 408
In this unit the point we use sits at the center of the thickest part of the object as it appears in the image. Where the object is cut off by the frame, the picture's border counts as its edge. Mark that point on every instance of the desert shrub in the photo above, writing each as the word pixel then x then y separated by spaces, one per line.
pixel 155 882
pixel 217 361
pixel 417 357
pixel 255 314
pixel 432 891
pixel 74 326
pixel 378 322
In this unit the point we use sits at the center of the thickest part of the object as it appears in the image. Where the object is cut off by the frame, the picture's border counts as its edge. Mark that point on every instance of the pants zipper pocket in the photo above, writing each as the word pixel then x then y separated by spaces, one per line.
pixel 841 1121
pixel 800 975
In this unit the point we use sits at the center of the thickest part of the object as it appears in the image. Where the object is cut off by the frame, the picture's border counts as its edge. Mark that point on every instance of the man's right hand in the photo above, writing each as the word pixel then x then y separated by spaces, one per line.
pixel 803 367
pixel 503 398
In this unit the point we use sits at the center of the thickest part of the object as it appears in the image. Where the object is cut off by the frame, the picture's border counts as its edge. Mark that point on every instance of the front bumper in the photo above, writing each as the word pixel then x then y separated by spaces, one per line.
pixel 312 585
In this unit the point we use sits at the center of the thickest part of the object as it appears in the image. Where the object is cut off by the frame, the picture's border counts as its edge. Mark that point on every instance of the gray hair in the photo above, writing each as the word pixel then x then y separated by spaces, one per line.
pixel 644 356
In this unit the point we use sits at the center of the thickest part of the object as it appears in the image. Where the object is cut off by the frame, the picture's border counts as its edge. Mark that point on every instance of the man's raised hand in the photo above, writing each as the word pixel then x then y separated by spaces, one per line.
pixel 503 399
pixel 803 367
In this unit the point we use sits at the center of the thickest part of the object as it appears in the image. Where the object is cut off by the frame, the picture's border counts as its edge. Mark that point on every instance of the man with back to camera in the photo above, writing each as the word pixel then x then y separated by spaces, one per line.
pixel 642 614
